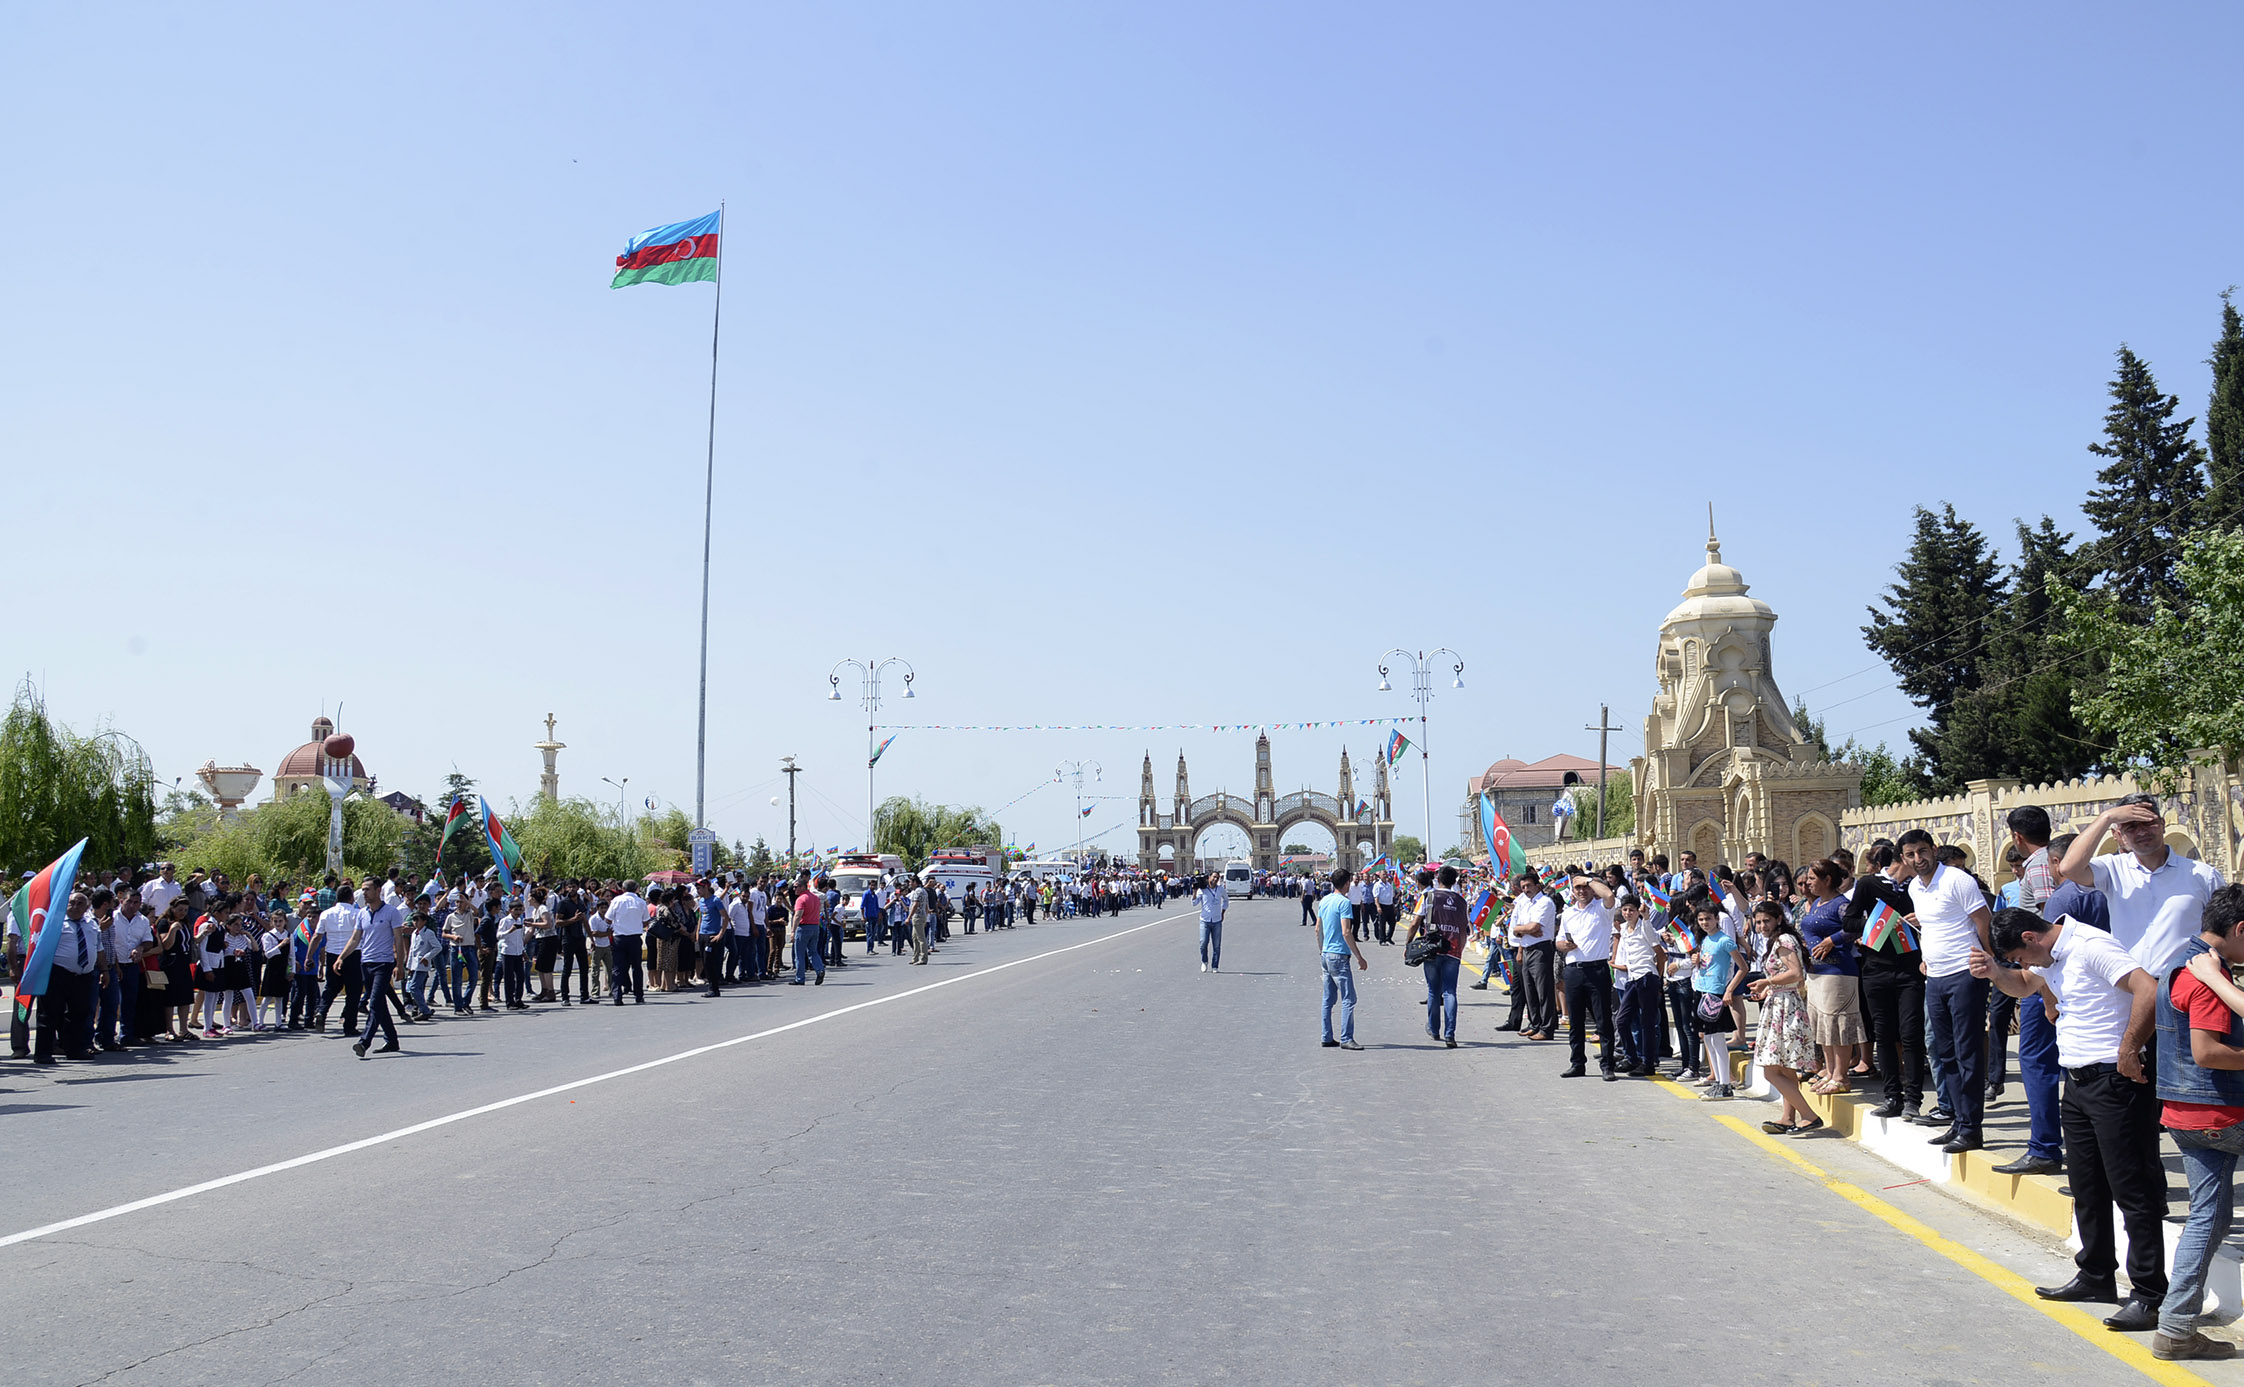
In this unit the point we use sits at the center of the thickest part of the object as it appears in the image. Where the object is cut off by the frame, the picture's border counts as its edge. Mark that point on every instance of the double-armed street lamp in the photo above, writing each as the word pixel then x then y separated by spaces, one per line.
pixel 621 820
pixel 868 674
pixel 1422 664
pixel 1075 771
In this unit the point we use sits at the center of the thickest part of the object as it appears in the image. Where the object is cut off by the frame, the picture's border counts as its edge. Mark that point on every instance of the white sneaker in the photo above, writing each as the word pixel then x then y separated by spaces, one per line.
pixel 1203 967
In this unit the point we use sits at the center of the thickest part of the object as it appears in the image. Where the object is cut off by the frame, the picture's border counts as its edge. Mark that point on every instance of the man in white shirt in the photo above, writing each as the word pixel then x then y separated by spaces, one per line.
pixel 158 895
pixel 1636 957
pixel 2156 896
pixel 1585 937
pixel 2105 1009
pixel 66 1008
pixel 627 917
pixel 1383 898
pixel 133 937
pixel 1213 903
pixel 1952 920
pixel 1532 928
pixel 337 924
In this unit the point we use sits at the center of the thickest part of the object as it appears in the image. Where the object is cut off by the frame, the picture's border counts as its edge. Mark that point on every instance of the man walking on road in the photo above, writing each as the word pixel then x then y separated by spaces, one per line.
pixel 627 917
pixel 922 904
pixel 375 939
pixel 1213 902
pixel 1336 929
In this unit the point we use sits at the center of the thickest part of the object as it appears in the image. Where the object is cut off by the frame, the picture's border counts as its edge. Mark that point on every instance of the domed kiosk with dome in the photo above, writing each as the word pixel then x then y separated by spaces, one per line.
pixel 1726 771
pixel 300 770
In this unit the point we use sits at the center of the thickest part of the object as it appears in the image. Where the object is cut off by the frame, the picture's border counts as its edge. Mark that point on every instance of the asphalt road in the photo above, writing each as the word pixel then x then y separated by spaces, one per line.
pixel 1098 1166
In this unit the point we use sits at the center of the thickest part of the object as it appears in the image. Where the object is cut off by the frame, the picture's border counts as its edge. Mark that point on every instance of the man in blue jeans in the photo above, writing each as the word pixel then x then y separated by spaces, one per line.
pixel 1952 921
pixel 1213 902
pixel 2201 1100
pixel 1337 930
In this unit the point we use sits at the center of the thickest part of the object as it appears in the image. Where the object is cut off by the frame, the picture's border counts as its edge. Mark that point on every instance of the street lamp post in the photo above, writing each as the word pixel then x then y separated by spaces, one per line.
pixel 621 821
pixel 868 698
pixel 1422 688
pixel 1075 770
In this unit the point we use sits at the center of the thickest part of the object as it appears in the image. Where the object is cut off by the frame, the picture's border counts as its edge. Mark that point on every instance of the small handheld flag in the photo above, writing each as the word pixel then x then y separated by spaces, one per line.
pixel 1722 894
pixel 1678 936
pixel 1481 905
pixel 877 751
pixel 1659 898
pixel 1885 928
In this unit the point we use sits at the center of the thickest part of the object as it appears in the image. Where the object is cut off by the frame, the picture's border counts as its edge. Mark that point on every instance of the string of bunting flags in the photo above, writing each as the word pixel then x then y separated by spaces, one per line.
pixel 1143 726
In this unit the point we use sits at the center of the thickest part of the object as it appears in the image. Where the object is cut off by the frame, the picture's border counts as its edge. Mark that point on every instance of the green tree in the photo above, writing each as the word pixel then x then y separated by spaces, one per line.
pixel 1620 805
pixel 2174 685
pixel 2148 496
pixel 1936 626
pixel 1294 847
pixel 467 855
pixel 759 856
pixel 287 840
pixel 578 838
pixel 1886 778
pixel 913 828
pixel 57 787
pixel 1406 848
pixel 2224 421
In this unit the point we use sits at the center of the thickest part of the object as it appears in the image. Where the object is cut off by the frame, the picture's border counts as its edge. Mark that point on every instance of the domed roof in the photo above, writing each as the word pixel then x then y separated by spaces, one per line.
pixel 304 762
pixel 1717 590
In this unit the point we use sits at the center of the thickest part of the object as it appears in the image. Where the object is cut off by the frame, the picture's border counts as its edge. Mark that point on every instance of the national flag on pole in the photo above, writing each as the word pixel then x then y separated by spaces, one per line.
pixel 1397 744
pixel 453 818
pixel 1498 835
pixel 875 759
pixel 1085 811
pixel 505 854
pixel 34 908
pixel 1363 807
pixel 680 253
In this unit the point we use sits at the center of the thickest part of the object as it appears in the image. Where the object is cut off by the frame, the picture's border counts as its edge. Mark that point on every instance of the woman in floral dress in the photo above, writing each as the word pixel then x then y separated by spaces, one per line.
pixel 1786 1044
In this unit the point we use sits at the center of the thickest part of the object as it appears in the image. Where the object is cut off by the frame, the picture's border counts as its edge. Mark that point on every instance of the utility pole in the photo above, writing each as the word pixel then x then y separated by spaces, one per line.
pixel 1603 727
pixel 790 770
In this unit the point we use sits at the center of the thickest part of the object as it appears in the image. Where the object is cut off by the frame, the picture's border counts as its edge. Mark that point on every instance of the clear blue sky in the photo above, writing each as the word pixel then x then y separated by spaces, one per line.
pixel 1113 363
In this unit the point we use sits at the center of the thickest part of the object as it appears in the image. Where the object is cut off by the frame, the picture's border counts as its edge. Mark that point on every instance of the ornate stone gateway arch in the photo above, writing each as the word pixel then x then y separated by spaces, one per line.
pixel 1361 829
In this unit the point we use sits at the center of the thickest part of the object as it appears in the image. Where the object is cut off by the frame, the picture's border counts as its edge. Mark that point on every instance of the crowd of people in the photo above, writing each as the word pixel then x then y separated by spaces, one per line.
pixel 148 958
pixel 1904 973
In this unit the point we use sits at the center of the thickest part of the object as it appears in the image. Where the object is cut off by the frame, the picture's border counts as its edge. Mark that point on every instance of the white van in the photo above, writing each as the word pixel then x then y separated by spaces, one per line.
pixel 1238 879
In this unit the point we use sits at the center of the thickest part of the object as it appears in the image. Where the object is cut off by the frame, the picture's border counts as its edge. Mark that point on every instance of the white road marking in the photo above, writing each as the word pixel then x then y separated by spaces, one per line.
pixel 330 1153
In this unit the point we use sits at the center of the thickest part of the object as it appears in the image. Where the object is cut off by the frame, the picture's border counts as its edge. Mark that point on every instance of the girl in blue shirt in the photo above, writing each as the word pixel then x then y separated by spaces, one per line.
pixel 1715 963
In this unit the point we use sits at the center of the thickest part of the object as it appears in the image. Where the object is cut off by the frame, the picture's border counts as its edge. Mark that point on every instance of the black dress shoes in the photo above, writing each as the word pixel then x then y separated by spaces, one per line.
pixel 2032 1165
pixel 1888 1110
pixel 1574 1073
pixel 1941 1138
pixel 2134 1316
pixel 2081 1287
pixel 1964 1141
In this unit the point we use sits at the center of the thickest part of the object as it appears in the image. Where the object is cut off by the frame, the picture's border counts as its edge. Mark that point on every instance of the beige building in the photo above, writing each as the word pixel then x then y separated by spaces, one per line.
pixel 1725 770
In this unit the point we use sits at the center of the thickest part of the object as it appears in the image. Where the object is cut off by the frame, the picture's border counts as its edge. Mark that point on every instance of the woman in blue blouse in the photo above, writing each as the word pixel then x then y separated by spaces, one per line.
pixel 1834 992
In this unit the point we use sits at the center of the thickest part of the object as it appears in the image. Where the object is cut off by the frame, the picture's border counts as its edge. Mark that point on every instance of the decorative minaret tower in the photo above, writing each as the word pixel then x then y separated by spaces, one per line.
pixel 549 784
pixel 1382 798
pixel 1184 795
pixel 1265 794
pixel 1147 807
pixel 1347 789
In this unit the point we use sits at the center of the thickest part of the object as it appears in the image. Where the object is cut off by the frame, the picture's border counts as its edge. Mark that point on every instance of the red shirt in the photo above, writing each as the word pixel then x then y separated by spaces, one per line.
pixel 807 906
pixel 2206 1012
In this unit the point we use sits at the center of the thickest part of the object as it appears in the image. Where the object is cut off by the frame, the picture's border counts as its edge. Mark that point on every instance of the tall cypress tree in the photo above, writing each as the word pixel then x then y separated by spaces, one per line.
pixel 2224 420
pixel 1935 632
pixel 2148 496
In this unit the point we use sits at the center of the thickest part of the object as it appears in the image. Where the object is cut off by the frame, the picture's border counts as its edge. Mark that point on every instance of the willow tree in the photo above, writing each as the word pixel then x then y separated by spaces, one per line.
pixel 57 787
pixel 913 828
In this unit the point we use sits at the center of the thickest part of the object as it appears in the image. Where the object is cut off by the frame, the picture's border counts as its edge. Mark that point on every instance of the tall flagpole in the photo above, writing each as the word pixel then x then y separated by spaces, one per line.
pixel 708 510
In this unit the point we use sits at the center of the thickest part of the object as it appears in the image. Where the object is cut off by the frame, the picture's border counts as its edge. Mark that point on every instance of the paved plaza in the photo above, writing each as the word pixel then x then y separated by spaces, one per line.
pixel 1060 1155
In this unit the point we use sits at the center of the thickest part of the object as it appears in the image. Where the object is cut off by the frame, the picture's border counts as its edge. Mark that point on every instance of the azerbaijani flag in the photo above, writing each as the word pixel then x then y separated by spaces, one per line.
pixel 680 253
pixel 1481 904
pixel 1498 835
pixel 1085 811
pixel 1884 927
pixel 1721 893
pixel 453 818
pixel 1397 744
pixel 1679 936
pixel 505 853
pixel 1655 895
pixel 33 907
pixel 877 751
